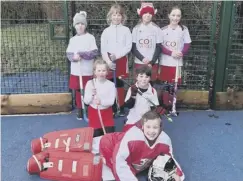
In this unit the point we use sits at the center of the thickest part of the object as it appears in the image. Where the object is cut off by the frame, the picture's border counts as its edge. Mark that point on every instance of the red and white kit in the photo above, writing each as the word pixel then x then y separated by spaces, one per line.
pixel 129 153
pixel 172 39
pixel 146 37
pixel 106 92
pixel 117 39
pixel 85 46
pixel 141 105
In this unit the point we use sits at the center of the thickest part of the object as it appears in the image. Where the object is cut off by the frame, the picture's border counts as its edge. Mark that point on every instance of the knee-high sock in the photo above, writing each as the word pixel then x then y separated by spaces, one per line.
pixel 78 99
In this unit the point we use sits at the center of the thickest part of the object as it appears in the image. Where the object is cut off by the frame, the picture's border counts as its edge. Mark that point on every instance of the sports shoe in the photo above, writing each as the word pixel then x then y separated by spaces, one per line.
pixel 80 114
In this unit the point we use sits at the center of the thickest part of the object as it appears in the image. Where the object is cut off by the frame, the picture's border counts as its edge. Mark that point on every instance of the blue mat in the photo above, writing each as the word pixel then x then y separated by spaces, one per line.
pixel 207 144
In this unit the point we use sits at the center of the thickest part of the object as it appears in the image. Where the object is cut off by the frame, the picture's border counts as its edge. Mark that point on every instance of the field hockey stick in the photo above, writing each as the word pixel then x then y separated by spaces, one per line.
pixel 99 113
pixel 173 111
pixel 82 96
pixel 141 94
pixel 114 79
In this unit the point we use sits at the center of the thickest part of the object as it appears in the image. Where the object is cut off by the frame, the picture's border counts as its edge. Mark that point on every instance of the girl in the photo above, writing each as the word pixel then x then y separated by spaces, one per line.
pixel 146 45
pixel 128 156
pixel 135 102
pixel 100 94
pixel 176 43
pixel 81 51
pixel 116 43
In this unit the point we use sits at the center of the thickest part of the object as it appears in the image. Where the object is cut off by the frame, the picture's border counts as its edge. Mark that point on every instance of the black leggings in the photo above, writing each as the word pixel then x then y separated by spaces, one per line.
pixel 99 131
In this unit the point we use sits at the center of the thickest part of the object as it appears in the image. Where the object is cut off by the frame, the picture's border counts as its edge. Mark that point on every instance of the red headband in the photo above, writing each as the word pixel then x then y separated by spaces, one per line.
pixel 147 9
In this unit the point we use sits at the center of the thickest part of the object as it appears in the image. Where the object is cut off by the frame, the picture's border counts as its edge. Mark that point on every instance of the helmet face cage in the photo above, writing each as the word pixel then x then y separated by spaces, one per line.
pixel 160 171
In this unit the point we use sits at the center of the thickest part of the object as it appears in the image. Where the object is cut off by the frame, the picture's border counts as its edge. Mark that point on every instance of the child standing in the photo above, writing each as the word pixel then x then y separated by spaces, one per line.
pixel 116 43
pixel 137 104
pixel 146 36
pixel 100 96
pixel 176 43
pixel 128 155
pixel 81 51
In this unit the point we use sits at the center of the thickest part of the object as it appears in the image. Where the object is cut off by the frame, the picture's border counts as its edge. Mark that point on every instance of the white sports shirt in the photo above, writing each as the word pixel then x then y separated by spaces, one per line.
pixel 146 37
pixel 82 43
pixel 174 39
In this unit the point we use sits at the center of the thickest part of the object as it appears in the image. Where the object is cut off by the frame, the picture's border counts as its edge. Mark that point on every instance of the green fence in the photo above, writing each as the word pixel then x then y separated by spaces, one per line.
pixel 32 62
pixel 34 41
pixel 234 66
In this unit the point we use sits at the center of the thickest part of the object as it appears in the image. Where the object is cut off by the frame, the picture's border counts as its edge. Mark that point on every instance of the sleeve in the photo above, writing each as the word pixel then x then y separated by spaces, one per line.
pixel 129 101
pixel 186 36
pixel 109 99
pixel 122 171
pixel 135 51
pixel 128 46
pixel 69 51
pixel 156 53
pixel 155 97
pixel 88 96
pixel 178 171
pixel 104 45
pixel 166 51
pixel 90 55
pixel 185 48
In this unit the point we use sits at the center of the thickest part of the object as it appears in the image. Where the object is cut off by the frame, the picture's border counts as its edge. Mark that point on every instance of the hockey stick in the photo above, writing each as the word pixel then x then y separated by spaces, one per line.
pixel 82 96
pixel 141 94
pixel 114 79
pixel 173 111
pixel 99 113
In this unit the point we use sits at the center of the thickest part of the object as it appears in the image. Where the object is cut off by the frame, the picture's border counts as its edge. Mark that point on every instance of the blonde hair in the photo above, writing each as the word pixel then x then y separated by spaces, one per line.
pixel 116 8
pixel 100 61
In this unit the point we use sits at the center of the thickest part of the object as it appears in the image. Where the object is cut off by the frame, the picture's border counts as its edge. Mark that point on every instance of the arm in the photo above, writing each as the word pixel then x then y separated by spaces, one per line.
pixel 187 41
pixel 70 56
pixel 121 169
pixel 109 98
pixel 156 53
pixel 185 48
pixel 93 50
pixel 70 51
pixel 88 55
pixel 129 100
pixel 136 53
pixel 127 48
pixel 88 94
pixel 103 46
pixel 166 51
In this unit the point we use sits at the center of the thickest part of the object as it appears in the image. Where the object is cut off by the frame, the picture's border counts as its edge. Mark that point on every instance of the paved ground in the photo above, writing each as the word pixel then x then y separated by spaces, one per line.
pixel 208 145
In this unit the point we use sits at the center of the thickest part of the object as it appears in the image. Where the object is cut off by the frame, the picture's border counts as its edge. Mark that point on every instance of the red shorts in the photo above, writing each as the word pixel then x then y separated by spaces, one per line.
pixel 74 81
pixel 154 71
pixel 121 68
pixel 94 120
pixel 168 74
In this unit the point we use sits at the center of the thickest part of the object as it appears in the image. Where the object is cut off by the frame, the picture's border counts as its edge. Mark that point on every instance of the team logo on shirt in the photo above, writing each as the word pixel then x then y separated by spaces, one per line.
pixel 145 43
pixel 144 163
pixel 170 43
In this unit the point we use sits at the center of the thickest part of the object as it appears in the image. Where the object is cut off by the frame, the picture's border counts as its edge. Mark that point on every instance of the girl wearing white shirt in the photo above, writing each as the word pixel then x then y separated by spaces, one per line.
pixel 176 43
pixel 116 43
pixel 146 37
pixel 81 51
pixel 100 93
